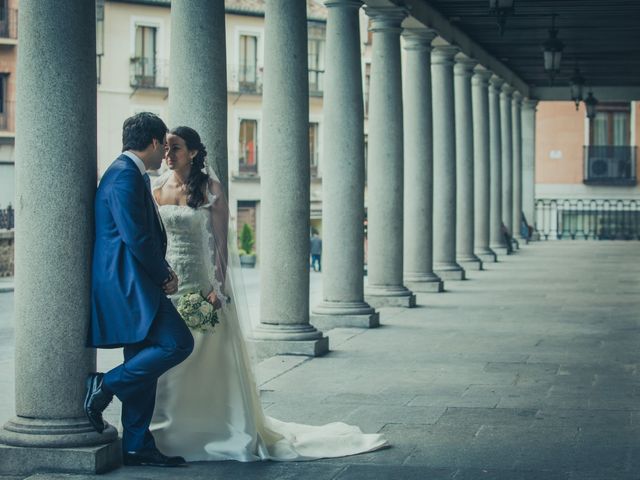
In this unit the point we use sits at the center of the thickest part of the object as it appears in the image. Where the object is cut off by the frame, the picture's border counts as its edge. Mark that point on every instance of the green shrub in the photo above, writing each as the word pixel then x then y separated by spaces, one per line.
pixel 247 239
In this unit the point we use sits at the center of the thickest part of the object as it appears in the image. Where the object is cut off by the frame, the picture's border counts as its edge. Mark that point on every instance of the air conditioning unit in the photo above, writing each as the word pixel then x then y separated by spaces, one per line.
pixel 601 168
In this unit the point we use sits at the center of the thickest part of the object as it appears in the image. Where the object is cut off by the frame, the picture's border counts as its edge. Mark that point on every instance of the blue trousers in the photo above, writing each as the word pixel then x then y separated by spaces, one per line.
pixel 134 382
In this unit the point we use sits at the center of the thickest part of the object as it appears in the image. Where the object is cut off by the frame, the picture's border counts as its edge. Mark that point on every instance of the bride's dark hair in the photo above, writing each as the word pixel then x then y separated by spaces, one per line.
pixel 198 181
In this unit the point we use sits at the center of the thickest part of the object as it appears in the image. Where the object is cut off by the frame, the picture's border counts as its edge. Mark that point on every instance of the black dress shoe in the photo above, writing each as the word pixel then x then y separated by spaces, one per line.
pixel 151 458
pixel 96 401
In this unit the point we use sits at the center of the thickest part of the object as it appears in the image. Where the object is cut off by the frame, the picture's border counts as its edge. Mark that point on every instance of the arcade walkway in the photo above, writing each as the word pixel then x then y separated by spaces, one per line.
pixel 529 370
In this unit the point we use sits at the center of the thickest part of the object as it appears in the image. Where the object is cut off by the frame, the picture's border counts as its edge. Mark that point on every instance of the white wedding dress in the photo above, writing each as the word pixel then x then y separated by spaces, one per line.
pixel 207 408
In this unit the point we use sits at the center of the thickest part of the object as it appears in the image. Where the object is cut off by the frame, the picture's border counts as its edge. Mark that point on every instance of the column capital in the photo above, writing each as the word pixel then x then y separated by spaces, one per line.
pixel 507 90
pixel 481 76
pixel 464 65
pixel 443 54
pixel 530 104
pixel 517 98
pixel 343 3
pixel 495 83
pixel 418 38
pixel 386 19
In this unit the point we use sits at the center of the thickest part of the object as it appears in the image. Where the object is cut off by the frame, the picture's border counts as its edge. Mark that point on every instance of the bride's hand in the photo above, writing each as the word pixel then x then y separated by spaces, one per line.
pixel 213 299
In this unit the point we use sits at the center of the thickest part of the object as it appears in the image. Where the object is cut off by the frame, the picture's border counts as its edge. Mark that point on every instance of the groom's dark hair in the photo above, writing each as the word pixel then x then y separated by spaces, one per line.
pixel 139 131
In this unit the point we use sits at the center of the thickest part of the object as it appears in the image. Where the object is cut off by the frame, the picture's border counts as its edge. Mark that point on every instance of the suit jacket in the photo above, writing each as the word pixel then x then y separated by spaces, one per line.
pixel 129 264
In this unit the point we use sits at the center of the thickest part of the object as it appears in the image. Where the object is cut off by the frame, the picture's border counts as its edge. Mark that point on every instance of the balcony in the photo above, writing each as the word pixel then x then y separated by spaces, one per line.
pixel 245 79
pixel 149 73
pixel 7 117
pixel 316 80
pixel 9 27
pixel 609 165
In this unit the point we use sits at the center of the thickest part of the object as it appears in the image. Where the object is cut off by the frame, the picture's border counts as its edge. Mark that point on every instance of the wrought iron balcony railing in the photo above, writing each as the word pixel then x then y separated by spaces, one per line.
pixel 7 218
pixel 7 116
pixel 609 165
pixel 597 219
pixel 245 79
pixel 149 73
pixel 316 82
pixel 9 24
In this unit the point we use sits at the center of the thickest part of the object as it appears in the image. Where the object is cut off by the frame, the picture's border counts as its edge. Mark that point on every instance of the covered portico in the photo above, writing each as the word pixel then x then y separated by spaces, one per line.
pixel 462 75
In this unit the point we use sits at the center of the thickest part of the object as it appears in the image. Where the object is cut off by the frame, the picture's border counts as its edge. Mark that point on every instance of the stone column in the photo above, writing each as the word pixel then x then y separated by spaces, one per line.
pixel 385 173
pixel 444 165
pixel 495 152
pixel 464 164
pixel 418 164
pixel 516 130
pixel 507 156
pixel 481 165
pixel 198 76
pixel 54 238
pixel 529 159
pixel 285 181
pixel 343 302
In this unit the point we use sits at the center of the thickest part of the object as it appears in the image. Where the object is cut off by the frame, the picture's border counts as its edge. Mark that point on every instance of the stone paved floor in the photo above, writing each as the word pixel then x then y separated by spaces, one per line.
pixel 528 370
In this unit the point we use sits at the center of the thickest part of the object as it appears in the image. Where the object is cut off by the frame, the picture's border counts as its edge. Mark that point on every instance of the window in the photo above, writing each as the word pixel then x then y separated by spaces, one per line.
pixel 145 56
pixel 248 146
pixel 367 85
pixel 99 37
pixel 247 71
pixel 316 64
pixel 611 126
pixel 313 148
pixel 609 157
pixel 4 107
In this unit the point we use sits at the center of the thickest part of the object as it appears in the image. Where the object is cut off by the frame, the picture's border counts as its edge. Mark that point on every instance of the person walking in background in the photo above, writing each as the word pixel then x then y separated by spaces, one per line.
pixel 316 252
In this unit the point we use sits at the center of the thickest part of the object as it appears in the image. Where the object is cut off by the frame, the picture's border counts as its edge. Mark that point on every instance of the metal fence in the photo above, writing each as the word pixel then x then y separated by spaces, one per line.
pixel 596 219
pixel 7 218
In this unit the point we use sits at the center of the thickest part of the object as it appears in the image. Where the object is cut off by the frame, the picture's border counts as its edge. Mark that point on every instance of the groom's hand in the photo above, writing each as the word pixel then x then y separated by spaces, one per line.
pixel 171 286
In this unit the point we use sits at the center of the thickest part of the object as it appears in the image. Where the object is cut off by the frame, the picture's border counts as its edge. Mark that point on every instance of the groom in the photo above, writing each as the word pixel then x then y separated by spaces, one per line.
pixel 130 284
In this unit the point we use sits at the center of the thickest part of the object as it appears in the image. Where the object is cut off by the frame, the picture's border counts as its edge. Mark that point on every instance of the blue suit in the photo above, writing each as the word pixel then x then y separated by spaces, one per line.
pixel 129 307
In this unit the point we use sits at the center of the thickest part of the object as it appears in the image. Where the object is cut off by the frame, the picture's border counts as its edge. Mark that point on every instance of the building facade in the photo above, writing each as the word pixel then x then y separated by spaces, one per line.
pixel 586 170
pixel 8 49
pixel 133 75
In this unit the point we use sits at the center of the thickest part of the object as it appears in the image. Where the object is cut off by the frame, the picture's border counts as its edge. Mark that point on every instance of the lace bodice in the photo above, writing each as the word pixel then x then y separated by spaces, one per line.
pixel 190 247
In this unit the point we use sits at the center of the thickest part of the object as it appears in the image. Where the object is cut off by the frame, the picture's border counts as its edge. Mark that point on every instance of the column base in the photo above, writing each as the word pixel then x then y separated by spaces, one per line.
pixel 487 257
pixel 432 286
pixel 268 340
pixel 423 282
pixel 500 250
pixel 471 265
pixel 469 262
pixel 27 460
pixel 328 322
pixel 328 315
pixel 449 271
pixel 379 296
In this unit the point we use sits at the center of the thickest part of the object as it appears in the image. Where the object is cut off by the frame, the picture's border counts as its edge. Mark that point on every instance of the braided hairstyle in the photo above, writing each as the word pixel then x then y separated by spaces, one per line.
pixel 198 181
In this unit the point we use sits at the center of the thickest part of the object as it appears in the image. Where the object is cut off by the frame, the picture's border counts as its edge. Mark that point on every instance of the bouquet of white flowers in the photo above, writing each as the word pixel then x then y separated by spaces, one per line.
pixel 197 312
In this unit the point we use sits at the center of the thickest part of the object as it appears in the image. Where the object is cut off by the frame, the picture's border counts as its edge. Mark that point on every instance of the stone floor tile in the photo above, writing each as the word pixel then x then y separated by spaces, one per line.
pixel 384 472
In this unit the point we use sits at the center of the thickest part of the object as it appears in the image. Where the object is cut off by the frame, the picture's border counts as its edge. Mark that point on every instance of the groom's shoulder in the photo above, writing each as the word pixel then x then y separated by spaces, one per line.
pixel 119 165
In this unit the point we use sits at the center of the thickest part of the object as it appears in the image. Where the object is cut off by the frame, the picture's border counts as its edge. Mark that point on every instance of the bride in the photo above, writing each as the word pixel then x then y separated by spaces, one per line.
pixel 208 408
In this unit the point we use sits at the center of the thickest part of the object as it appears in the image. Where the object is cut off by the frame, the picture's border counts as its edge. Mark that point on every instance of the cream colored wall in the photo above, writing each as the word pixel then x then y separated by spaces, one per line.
pixel 116 99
